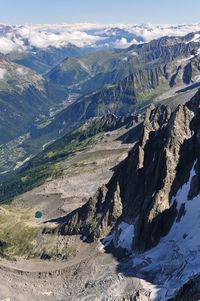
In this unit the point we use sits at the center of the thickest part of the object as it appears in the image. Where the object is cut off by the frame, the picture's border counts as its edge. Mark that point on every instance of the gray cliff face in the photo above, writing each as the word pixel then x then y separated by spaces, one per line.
pixel 142 187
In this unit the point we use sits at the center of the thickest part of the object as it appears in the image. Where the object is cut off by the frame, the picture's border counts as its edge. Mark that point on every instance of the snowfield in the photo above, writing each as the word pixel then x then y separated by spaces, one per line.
pixel 176 259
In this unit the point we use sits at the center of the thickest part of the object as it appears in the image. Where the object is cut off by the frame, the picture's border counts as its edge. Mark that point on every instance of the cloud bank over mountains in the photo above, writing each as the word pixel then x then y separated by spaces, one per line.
pixel 20 38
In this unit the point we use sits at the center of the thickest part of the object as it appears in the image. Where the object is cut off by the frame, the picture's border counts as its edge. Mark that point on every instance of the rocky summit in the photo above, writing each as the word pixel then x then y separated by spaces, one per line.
pixel 142 188
pixel 152 200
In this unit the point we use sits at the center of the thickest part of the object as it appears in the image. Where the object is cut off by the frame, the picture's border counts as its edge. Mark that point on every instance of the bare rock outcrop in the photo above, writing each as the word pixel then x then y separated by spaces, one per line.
pixel 141 189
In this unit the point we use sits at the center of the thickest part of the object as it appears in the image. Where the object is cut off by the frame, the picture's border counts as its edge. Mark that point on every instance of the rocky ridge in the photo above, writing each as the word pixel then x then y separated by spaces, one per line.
pixel 140 191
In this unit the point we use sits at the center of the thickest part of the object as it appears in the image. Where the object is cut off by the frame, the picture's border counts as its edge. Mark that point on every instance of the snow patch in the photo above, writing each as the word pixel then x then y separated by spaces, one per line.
pixel 190 57
pixel 122 237
pixel 84 238
pixel 22 71
pixel 195 39
pixel 126 236
pixel 187 59
pixel 47 293
pixel 133 53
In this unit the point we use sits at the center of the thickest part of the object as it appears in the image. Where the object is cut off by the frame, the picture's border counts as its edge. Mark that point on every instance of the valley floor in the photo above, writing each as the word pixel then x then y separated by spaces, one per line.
pixel 91 273
pixel 92 278
pixel 83 271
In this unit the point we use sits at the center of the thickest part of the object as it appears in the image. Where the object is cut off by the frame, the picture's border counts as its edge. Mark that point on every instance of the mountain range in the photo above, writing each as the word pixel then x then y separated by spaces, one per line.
pixel 99 162
pixel 43 46
pixel 115 81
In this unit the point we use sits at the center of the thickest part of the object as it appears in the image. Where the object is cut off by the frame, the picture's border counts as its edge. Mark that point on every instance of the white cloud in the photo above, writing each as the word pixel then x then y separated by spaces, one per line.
pixel 150 32
pixel 15 38
pixel 122 43
pixel 2 73
pixel 6 45
pixel 19 38
pixel 57 37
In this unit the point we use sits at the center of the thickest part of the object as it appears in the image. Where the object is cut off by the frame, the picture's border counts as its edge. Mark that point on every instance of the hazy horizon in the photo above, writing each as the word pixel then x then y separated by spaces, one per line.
pixel 101 12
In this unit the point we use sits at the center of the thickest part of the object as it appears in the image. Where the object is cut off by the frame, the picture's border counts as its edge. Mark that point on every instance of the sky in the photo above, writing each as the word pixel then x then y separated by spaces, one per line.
pixel 100 11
